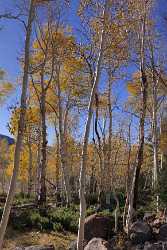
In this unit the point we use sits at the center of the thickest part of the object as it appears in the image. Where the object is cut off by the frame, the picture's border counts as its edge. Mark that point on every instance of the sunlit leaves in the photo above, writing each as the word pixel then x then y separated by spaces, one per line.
pixel 134 87
pixel 6 87
pixel 24 162
pixel 31 124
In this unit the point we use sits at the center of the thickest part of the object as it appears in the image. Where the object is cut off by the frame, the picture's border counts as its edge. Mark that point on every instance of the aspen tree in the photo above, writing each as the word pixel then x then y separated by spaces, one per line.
pixel 80 240
pixel 11 191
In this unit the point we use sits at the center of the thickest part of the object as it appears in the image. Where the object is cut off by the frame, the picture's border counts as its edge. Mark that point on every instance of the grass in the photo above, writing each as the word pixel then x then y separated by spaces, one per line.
pixel 15 238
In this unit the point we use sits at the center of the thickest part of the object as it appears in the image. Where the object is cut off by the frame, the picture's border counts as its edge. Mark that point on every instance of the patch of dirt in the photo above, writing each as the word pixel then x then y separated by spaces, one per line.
pixel 15 239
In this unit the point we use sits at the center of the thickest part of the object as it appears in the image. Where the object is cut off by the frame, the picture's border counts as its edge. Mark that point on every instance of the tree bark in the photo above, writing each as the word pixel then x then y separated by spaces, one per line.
pixel 58 158
pixel 144 87
pixel 42 190
pixel 62 146
pixel 37 188
pixel 86 136
pixel 154 122
pixel 21 124
pixel 133 195
pixel 128 176
pixel 30 178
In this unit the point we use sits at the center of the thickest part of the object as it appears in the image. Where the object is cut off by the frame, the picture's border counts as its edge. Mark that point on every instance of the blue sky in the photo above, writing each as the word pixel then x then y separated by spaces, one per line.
pixel 11 47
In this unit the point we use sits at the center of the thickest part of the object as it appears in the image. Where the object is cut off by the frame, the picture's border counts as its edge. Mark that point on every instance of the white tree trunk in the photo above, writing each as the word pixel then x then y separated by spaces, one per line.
pixel 30 169
pixel 62 146
pixel 21 123
pixel 133 197
pixel 154 126
pixel 80 239
pixel 42 179
pixel 37 186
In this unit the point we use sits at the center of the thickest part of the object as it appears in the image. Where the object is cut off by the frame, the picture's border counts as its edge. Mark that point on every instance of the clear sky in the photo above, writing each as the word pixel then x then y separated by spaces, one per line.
pixel 11 46
pixel 11 42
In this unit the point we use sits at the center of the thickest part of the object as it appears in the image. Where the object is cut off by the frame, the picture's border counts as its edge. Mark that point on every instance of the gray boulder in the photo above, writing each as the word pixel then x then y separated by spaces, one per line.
pixel 163 233
pixel 98 226
pixel 98 244
pixel 140 232
pixel 155 246
pixel 48 247
pixel 73 245
pixel 148 246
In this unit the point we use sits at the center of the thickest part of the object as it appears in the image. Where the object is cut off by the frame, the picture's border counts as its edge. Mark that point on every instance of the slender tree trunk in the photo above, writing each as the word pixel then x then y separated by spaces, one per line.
pixel 110 124
pixel 37 188
pixel 155 140
pixel 30 176
pixel 154 122
pixel 141 139
pixel 162 156
pixel 116 211
pixel 58 157
pixel 128 176
pixel 63 153
pixel 101 155
pixel 80 240
pixel 154 127
pixel 133 197
pixel 130 201
pixel 42 191
pixel 3 179
pixel 21 124
pixel 144 87
pixel 155 148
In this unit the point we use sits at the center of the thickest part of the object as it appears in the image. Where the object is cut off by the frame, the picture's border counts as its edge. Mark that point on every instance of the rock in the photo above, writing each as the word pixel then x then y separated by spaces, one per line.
pixel 163 233
pixel 140 232
pixel 156 246
pixel 130 246
pixel 73 245
pixel 156 223
pixel 98 226
pixel 98 244
pixel 138 247
pixel 49 247
pixel 149 217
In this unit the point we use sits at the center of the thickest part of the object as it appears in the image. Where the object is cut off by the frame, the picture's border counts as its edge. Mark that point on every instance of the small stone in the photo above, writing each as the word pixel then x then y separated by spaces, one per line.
pixel 49 247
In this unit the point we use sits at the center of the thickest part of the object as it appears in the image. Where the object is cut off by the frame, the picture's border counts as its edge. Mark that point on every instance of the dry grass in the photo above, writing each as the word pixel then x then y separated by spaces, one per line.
pixel 15 239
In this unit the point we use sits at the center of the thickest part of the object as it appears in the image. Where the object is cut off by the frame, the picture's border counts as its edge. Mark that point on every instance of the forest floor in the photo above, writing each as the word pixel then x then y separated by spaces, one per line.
pixel 15 239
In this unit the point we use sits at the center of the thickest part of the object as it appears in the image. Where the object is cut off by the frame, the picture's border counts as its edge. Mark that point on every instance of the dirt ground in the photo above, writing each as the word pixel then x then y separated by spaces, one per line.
pixel 16 239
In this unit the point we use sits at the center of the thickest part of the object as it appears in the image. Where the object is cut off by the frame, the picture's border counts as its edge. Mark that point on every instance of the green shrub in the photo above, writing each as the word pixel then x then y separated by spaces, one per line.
pixel 73 227
pixel 66 217
pixel 106 212
pixel 21 220
pixel 141 212
pixel 35 219
pixel 21 199
pixel 121 197
pixel 45 224
pixel 90 210
pixel 57 227
pixel 60 219
pixel 40 222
